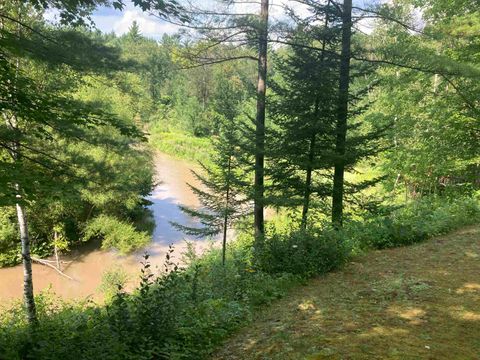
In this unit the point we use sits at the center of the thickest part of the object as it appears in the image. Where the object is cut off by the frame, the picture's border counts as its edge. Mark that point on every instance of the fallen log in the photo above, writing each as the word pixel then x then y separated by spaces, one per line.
pixel 47 263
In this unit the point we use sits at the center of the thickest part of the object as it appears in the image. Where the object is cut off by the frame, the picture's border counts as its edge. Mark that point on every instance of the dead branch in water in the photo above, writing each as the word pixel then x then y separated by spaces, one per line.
pixel 47 263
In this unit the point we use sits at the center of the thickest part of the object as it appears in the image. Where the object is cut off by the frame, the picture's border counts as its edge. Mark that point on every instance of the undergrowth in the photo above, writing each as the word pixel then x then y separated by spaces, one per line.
pixel 187 312
pixel 413 223
pixel 116 234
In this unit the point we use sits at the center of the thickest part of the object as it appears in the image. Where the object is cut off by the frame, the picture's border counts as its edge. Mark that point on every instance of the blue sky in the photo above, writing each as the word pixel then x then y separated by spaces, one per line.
pixel 110 20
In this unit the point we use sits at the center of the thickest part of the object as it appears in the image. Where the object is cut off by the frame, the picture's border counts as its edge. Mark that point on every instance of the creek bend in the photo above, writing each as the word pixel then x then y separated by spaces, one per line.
pixel 87 264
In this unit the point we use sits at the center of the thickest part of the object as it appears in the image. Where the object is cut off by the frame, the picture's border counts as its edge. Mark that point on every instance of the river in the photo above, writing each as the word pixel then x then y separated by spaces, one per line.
pixel 88 263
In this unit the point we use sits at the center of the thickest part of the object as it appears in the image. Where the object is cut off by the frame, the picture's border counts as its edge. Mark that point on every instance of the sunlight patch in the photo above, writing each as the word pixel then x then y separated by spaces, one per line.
pixel 306 305
pixel 470 316
pixel 384 331
pixel 471 254
pixel 468 288
pixel 459 312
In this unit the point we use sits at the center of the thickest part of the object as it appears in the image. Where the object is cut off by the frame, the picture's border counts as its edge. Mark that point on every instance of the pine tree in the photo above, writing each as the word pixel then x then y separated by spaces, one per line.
pixel 307 121
pixel 259 180
pixel 304 117
pixel 134 33
pixel 221 23
pixel 342 115
pixel 221 188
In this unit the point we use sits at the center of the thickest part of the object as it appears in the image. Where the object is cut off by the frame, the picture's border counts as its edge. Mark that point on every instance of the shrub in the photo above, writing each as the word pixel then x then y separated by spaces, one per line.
pixel 116 234
pixel 9 244
pixel 414 223
pixel 305 253
pixel 182 314
pixel 112 280
pixel 186 313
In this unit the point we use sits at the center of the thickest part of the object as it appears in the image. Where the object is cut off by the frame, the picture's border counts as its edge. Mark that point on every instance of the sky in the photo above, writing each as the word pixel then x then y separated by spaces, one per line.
pixel 110 20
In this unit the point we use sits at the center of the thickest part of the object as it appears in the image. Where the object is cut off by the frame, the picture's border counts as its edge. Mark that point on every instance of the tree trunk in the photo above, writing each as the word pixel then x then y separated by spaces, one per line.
pixel 341 129
pixel 27 266
pixel 12 123
pixel 259 187
pixel 308 183
pixel 311 157
pixel 224 240
pixel 311 154
pixel 225 219
pixel 55 249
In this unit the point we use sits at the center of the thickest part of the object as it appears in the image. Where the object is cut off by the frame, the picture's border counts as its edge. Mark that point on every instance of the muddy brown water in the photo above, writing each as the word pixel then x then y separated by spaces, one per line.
pixel 88 264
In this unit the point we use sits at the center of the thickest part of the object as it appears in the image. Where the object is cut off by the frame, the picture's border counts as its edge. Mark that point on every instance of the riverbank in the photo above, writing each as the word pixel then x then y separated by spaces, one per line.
pixel 404 303
pixel 181 146
pixel 187 313
pixel 88 264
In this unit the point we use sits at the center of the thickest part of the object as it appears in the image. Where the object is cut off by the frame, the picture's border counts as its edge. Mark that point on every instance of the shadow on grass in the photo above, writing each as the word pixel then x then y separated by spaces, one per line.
pixel 418 302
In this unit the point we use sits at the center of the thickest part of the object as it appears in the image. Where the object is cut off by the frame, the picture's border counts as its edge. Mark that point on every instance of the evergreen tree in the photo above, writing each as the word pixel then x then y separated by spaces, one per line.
pixel 222 24
pixel 305 115
pixel 220 193
pixel 303 112
pixel 342 114
pixel 134 33
pixel 259 179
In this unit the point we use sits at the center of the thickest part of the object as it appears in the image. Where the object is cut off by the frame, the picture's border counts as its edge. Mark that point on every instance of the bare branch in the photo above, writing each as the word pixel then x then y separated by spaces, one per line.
pixel 218 61
pixel 46 263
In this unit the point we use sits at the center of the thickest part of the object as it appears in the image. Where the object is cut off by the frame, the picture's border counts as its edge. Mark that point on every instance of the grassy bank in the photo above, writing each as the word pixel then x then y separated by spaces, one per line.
pixel 417 302
pixel 189 312
pixel 182 146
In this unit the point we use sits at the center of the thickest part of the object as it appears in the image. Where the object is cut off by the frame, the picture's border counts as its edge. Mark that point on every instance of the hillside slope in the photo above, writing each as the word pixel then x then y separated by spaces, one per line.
pixel 417 302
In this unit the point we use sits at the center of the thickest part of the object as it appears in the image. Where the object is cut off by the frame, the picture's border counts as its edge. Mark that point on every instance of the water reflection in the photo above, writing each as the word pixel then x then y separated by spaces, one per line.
pixel 88 263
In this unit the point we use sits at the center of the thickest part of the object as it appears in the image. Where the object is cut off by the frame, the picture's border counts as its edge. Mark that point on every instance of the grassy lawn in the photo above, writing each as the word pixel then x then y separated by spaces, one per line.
pixel 417 302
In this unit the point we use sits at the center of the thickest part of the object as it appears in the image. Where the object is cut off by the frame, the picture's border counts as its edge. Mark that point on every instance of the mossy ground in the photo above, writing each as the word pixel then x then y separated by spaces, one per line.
pixel 417 302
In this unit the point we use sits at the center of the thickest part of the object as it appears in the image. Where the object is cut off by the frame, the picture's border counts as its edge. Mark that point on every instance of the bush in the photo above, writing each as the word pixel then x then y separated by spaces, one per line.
pixel 305 253
pixel 112 280
pixel 116 234
pixel 186 313
pixel 183 314
pixel 9 244
pixel 414 223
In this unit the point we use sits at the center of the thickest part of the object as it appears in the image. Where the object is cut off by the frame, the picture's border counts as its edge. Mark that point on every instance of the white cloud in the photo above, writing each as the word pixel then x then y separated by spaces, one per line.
pixel 149 26
pixel 51 15
pixel 276 9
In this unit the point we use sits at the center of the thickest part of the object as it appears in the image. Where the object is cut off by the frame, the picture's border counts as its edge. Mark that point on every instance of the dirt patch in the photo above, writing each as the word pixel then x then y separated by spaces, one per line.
pixel 417 302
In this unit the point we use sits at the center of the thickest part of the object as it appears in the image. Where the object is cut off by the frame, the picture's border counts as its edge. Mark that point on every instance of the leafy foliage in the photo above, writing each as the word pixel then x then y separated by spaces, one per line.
pixel 179 315
pixel 66 153
pixel 305 253
pixel 415 222
pixel 115 234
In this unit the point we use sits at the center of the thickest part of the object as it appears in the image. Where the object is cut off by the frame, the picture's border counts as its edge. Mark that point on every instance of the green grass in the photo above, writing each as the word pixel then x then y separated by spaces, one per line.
pixel 417 302
pixel 182 146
